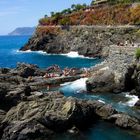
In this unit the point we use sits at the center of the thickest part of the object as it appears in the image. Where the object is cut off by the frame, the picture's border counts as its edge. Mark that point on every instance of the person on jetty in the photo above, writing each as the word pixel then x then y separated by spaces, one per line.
pixel 51 75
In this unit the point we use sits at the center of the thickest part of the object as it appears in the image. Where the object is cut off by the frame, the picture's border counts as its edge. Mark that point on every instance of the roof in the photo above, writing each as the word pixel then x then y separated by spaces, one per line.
pixel 100 1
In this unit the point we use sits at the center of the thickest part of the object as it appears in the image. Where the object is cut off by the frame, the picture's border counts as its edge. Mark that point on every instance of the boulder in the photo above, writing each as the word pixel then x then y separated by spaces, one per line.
pixel 137 104
pixel 26 130
pixel 105 111
pixel 55 112
pixel 125 121
pixel 2 115
pixel 26 70
pixel 3 92
pixel 52 112
pixel 11 97
pixel 4 70
pixel 102 81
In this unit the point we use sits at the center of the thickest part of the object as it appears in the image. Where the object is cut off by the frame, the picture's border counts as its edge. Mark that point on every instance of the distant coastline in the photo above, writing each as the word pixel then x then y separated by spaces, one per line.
pixel 22 31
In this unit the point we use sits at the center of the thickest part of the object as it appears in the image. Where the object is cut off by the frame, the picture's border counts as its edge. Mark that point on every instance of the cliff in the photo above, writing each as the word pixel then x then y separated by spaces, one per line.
pixel 89 41
pixel 87 29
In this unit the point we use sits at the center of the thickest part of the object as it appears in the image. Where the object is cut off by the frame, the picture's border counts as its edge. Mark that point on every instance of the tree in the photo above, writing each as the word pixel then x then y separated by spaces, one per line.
pixel 137 53
pixel 46 16
pixel 65 21
pixel 73 6
pixel 52 14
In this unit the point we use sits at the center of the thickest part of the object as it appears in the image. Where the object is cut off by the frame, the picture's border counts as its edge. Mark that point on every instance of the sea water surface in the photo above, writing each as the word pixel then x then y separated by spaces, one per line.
pixel 9 56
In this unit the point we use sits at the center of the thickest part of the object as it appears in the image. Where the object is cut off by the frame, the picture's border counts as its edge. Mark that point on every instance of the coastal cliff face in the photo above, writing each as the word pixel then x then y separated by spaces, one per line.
pixel 92 41
pixel 114 74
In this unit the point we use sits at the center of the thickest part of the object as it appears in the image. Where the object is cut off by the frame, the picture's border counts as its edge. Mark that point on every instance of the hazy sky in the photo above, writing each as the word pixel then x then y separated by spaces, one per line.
pixel 23 13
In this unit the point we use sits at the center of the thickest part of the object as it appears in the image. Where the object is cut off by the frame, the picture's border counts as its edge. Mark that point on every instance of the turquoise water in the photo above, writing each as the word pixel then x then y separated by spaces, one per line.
pixel 121 101
pixel 101 131
pixel 9 56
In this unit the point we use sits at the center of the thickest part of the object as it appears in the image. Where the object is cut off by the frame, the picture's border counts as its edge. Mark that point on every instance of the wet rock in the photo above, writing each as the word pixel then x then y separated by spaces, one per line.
pixel 2 115
pixel 137 104
pixel 14 96
pixel 125 121
pixel 4 70
pixel 52 112
pixel 103 81
pixel 28 130
pixel 26 70
pixel 105 111
pixel 3 92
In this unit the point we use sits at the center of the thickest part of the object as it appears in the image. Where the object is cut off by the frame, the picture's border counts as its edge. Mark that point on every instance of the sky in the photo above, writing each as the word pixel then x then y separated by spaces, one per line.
pixel 26 13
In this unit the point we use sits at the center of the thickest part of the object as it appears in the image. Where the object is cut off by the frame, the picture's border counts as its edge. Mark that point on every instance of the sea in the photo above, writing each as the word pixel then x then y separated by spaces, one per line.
pixel 10 56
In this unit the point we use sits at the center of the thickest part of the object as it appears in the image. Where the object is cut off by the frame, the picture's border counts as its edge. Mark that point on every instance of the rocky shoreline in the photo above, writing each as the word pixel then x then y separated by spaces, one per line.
pixel 27 113
pixel 91 41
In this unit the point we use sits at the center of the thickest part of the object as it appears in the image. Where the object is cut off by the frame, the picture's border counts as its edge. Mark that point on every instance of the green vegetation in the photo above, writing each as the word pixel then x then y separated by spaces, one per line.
pixel 73 8
pixel 137 53
pixel 65 21
pixel 118 12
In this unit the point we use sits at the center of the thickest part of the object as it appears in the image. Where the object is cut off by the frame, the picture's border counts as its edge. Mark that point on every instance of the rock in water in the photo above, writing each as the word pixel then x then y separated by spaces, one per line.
pixel 42 116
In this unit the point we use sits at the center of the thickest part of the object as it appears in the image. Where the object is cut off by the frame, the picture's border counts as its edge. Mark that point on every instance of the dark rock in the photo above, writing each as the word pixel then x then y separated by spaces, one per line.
pixel 26 131
pixel 26 70
pixel 125 121
pixel 129 82
pixel 4 70
pixel 105 111
pixel 86 40
pixel 137 104
pixel 2 115
pixel 27 91
pixel 102 81
pixel 73 130
pixel 53 112
pixel 3 92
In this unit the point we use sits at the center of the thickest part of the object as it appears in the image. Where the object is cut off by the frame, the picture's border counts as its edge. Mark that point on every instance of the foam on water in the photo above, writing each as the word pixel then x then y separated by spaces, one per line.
pixel 80 84
pixel 28 51
pixel 74 54
pixel 132 99
pixel 77 86
pixel 101 101
pixel 65 84
pixel 71 54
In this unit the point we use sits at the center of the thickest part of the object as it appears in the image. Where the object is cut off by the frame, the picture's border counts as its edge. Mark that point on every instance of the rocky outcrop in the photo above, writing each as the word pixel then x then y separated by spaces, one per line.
pixel 2 115
pixel 115 74
pixel 26 113
pixel 125 121
pixel 40 117
pixel 19 83
pixel 89 41
pixel 137 104
pixel 135 79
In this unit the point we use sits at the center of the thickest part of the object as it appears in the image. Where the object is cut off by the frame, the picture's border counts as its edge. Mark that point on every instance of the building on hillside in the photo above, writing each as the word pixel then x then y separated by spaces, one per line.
pixel 96 2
